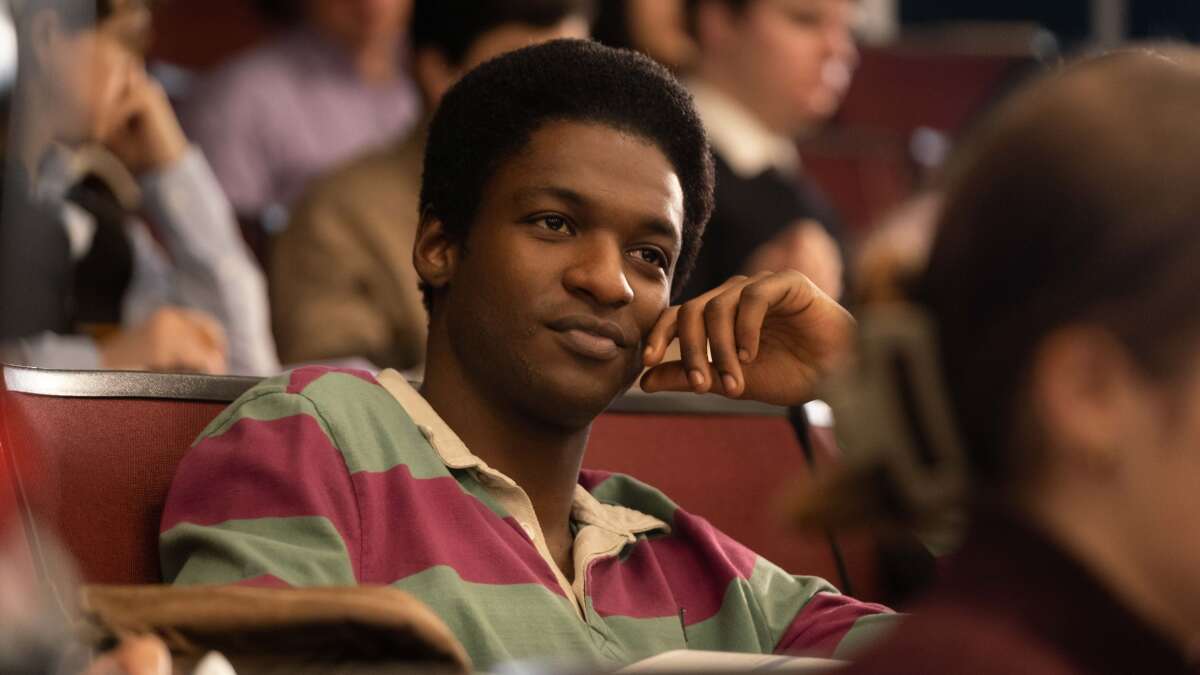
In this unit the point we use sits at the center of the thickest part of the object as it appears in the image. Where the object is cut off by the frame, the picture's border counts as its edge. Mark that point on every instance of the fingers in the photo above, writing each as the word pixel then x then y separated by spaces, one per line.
pixel 188 340
pixel 673 376
pixel 708 321
pixel 208 329
pixel 753 303
pixel 660 337
pixel 693 344
pixel 721 334
pixel 720 315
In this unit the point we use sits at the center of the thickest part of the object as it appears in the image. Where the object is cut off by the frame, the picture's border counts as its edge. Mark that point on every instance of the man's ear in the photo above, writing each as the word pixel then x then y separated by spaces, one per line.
pixel 1089 399
pixel 435 253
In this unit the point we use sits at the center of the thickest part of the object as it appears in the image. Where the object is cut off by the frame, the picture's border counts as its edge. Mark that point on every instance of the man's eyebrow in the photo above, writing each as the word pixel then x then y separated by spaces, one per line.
pixel 662 228
pixel 565 194
pixel 654 225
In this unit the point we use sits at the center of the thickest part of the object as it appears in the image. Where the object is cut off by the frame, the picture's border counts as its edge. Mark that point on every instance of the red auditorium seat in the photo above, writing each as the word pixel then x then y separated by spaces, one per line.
pixel 110 443
pixel 731 462
pixel 98 450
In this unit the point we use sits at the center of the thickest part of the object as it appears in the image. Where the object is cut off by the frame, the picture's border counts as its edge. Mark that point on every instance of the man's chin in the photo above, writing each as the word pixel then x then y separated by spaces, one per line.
pixel 579 398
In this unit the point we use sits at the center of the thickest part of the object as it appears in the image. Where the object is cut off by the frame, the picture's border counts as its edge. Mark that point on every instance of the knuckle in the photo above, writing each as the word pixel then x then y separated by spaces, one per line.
pixel 754 292
pixel 689 311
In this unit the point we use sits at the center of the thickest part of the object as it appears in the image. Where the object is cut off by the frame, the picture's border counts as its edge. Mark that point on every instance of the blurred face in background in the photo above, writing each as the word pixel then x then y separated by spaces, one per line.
pixel 361 23
pixel 788 61
pixel 659 28
pixel 435 74
pixel 87 72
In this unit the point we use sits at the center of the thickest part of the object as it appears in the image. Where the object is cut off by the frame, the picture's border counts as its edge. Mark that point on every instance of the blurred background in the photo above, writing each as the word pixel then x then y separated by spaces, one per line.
pixel 928 68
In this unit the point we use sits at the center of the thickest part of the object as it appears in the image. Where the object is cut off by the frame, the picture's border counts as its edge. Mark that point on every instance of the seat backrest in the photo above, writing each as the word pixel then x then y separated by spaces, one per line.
pixel 101 449
pixel 108 445
pixel 730 462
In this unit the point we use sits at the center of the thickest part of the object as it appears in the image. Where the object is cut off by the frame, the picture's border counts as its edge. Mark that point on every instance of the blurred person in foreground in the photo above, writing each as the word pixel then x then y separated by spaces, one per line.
pixel 84 281
pixel 565 190
pixel 1059 302
pixel 342 278
pixel 767 73
pixel 331 84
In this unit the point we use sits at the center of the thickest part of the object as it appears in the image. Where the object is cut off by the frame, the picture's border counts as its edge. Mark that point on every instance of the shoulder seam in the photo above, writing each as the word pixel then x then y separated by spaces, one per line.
pixel 337 444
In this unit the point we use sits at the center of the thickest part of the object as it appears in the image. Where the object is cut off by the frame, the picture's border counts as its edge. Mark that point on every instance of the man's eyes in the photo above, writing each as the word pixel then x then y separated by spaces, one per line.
pixel 652 256
pixel 555 224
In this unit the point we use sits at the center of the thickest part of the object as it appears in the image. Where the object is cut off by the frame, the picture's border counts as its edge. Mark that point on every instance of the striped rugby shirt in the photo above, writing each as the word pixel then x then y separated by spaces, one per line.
pixel 331 477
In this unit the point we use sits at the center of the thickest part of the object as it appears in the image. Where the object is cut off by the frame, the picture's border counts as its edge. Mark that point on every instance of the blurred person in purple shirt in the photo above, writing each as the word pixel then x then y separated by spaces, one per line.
pixel 330 85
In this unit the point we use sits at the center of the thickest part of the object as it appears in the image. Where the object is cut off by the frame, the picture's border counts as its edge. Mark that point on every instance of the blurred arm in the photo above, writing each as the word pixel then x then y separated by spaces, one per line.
pixel 213 270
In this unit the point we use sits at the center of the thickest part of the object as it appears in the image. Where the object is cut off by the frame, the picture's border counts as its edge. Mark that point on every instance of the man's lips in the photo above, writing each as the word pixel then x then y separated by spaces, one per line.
pixel 591 337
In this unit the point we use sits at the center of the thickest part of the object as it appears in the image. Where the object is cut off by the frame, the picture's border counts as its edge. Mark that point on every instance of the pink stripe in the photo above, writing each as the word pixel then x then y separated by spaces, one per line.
pixel 591 478
pixel 265 469
pixel 823 623
pixel 302 377
pixel 690 569
pixel 415 524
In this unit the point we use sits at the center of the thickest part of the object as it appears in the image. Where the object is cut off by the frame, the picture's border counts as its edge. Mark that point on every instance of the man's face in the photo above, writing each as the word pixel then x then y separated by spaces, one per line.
pixel 794 59
pixel 567 266
pixel 91 70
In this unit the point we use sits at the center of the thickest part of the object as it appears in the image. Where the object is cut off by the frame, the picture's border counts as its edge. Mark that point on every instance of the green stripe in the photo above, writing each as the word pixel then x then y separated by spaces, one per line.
pixel 643 638
pixel 632 493
pixel 220 423
pixel 370 426
pixel 301 550
pixel 779 597
pixel 865 632
pixel 754 615
pixel 502 622
pixel 266 406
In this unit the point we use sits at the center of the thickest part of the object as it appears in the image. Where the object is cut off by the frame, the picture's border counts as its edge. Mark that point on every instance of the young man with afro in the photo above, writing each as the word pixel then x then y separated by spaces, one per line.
pixel 565 190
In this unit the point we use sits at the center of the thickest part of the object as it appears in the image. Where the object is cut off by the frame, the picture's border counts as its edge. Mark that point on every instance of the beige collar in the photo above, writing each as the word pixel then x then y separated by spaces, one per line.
pixel 746 145
pixel 586 509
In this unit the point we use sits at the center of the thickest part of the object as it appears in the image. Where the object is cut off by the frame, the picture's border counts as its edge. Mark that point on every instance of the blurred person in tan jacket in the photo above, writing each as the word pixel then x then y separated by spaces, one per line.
pixel 342 278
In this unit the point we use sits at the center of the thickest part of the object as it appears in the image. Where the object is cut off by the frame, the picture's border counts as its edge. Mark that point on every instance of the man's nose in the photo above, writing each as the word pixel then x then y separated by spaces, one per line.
pixel 598 272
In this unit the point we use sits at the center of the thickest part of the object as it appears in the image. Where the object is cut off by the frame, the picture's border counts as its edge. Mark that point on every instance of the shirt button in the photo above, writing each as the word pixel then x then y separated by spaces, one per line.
pixel 529 530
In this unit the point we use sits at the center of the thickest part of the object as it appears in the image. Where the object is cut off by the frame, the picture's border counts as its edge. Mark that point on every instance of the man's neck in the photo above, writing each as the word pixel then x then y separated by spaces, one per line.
pixel 542 459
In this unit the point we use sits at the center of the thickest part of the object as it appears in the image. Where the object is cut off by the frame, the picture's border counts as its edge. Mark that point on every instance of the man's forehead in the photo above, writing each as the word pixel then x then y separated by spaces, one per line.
pixel 607 166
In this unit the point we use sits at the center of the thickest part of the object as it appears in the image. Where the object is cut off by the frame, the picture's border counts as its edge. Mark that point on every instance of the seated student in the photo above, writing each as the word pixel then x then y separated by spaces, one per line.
pixel 768 72
pixel 74 258
pixel 1061 291
pixel 565 190
pixel 342 279
pixel 330 85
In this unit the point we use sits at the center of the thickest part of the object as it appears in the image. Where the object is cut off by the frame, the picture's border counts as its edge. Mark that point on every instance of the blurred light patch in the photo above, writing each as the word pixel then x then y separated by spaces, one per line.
pixel 928 147
pixel 8 48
